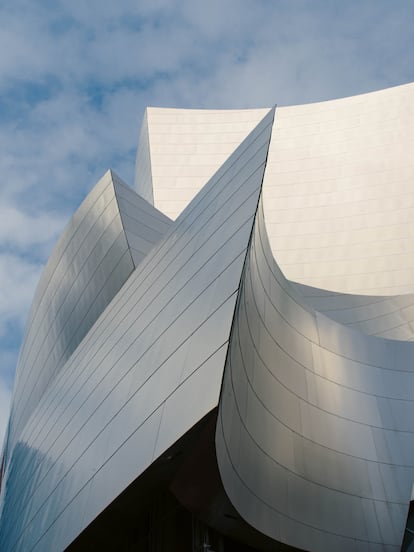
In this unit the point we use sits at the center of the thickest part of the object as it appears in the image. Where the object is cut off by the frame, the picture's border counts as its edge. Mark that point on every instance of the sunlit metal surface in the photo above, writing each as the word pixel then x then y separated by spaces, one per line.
pixel 143 172
pixel 283 293
pixel 390 316
pixel 338 194
pixel 315 441
pixel 184 148
pixel 338 198
pixel 110 233
pixel 150 367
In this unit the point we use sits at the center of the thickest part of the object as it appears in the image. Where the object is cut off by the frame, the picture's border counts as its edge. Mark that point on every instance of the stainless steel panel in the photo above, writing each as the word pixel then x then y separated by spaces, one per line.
pixel 84 273
pixel 315 436
pixel 140 357
pixel 332 438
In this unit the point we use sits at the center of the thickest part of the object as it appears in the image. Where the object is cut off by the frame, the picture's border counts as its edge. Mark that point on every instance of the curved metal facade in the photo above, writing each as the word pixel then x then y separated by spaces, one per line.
pixel 94 257
pixel 338 195
pixel 149 368
pixel 315 439
pixel 282 294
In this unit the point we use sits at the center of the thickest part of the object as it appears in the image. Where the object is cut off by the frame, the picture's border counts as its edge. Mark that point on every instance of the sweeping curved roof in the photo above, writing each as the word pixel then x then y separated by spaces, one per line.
pixel 338 187
pixel 280 302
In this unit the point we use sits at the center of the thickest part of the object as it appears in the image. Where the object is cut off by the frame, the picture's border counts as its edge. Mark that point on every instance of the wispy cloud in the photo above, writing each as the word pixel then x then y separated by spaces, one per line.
pixel 75 78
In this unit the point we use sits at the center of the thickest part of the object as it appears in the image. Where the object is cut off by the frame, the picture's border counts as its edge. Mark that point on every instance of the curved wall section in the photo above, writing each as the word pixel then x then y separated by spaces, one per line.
pixel 338 193
pixel 93 258
pixel 143 224
pixel 185 148
pixel 148 370
pixel 143 173
pixel 384 316
pixel 338 196
pixel 142 326
pixel 315 433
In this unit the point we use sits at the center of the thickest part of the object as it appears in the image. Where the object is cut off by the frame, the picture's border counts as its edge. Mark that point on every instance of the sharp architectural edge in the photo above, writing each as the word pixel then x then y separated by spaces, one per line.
pixel 102 244
pixel 143 172
pixel 271 297
pixel 149 368
pixel 316 420
pixel 180 149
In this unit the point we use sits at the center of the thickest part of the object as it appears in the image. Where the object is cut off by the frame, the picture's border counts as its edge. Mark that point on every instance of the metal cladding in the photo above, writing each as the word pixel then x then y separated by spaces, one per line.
pixel 282 294
pixel 110 233
pixel 149 368
pixel 180 149
pixel 315 435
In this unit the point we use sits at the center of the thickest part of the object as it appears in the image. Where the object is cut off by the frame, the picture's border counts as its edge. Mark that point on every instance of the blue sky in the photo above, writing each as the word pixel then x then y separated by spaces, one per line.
pixel 75 77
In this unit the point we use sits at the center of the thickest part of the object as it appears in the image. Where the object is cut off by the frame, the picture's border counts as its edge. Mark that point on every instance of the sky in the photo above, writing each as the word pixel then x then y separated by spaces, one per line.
pixel 76 76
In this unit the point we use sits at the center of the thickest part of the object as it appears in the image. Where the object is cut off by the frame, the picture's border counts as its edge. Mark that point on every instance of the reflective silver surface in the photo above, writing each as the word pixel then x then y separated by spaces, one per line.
pixel 143 173
pixel 338 198
pixel 315 437
pixel 180 149
pixel 385 316
pixel 93 258
pixel 141 326
pixel 149 368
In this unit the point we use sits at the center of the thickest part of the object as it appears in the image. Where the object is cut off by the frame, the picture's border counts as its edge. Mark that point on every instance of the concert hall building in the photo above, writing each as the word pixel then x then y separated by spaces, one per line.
pixel 222 358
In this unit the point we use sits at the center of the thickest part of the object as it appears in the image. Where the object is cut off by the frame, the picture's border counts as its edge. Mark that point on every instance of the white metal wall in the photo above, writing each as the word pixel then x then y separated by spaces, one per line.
pixel 315 437
pixel 150 367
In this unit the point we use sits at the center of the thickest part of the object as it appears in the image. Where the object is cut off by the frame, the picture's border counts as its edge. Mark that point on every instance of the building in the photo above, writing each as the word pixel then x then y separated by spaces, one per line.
pixel 223 359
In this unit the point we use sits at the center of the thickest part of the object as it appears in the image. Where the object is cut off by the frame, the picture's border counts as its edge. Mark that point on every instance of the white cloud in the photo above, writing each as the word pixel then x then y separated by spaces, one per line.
pixel 22 230
pixel 18 280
